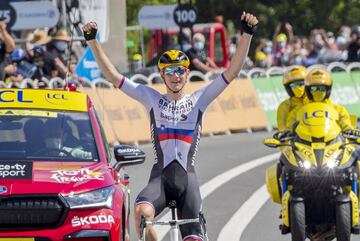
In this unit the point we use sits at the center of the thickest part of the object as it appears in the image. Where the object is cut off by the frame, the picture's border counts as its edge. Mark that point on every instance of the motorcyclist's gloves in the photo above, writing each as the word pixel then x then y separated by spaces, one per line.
pixel 353 133
pixel 282 135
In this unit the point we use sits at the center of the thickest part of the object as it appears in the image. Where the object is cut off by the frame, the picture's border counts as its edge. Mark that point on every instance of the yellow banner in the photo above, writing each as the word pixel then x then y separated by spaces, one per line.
pixel 43 99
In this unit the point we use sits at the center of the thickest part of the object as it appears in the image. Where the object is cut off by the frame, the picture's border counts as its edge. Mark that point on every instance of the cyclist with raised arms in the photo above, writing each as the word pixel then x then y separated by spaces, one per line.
pixel 175 122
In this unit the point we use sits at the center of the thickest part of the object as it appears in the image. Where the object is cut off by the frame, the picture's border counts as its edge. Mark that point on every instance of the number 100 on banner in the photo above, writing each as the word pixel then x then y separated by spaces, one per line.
pixel 185 15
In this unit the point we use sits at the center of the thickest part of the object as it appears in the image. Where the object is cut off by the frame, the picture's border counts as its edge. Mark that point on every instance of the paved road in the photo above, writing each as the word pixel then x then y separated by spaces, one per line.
pixel 230 209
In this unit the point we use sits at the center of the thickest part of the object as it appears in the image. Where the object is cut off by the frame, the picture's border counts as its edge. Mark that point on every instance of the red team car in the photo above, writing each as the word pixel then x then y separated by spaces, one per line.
pixel 59 180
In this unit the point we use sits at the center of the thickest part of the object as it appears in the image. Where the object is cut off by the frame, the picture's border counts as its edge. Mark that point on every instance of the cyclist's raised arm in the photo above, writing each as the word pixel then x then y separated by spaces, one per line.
pixel 107 68
pixel 248 23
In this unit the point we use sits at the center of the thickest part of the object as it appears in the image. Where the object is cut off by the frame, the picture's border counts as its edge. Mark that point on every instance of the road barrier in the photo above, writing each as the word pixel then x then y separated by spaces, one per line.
pixel 345 91
pixel 248 104
pixel 126 120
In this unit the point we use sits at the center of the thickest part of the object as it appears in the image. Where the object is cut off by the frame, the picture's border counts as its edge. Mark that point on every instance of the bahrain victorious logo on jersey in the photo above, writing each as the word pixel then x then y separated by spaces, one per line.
pixel 176 107
pixel 175 111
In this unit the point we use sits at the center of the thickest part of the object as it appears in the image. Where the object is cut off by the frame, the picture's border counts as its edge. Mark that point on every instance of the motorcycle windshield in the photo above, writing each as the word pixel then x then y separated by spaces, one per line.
pixel 317 122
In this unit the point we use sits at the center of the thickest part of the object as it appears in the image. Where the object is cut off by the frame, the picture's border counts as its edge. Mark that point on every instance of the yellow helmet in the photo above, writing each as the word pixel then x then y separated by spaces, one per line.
pixel 318 85
pixel 173 58
pixel 260 55
pixel 294 74
pixel 137 57
pixel 281 37
pixel 318 76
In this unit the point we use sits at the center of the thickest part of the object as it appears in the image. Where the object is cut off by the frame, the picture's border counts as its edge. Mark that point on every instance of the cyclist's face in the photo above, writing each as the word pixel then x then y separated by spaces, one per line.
pixel 175 77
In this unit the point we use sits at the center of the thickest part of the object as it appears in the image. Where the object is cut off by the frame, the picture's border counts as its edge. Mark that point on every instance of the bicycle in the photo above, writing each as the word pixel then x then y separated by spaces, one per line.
pixel 174 224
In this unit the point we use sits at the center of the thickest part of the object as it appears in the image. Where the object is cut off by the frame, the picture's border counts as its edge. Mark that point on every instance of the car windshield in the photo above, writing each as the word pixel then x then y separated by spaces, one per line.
pixel 46 135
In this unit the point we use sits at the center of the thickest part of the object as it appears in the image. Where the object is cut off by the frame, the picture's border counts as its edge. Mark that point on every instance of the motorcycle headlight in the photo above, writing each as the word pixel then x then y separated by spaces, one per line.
pixel 98 198
pixel 306 164
pixel 331 163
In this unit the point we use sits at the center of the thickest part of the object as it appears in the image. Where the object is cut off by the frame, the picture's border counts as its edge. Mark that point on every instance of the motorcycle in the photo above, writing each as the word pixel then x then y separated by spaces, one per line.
pixel 316 179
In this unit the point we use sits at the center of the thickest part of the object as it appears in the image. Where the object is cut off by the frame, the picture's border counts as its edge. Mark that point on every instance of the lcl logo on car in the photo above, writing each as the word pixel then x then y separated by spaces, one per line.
pixel 3 189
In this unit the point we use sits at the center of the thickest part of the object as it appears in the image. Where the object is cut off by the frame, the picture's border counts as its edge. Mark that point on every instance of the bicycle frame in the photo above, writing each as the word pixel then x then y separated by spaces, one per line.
pixel 174 225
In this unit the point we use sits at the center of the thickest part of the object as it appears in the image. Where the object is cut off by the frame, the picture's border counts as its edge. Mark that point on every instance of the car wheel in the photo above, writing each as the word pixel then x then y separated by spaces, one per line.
pixel 123 232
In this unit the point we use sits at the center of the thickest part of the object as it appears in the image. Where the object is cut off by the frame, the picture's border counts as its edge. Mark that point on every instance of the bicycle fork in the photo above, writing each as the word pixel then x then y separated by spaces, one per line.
pixel 174 228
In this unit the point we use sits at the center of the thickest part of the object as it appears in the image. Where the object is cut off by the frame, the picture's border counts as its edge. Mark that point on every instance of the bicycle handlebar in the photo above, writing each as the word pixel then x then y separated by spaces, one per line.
pixel 173 222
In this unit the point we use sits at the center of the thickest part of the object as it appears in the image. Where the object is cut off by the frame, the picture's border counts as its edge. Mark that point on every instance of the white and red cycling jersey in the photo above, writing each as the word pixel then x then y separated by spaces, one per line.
pixel 175 124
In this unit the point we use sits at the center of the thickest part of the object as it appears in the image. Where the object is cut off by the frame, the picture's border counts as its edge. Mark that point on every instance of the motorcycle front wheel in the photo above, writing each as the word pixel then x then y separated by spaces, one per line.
pixel 343 221
pixel 297 221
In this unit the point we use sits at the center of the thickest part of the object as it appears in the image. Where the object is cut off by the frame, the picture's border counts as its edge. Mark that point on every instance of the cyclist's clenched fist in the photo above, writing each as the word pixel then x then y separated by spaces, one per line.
pixel 90 30
pixel 249 23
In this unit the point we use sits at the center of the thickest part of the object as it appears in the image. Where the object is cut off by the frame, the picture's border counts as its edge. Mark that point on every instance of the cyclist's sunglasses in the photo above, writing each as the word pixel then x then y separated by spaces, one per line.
pixel 171 70
pixel 318 88
pixel 296 84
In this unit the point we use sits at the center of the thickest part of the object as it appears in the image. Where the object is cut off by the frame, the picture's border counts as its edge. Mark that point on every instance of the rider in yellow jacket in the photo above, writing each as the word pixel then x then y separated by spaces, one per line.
pixel 318 84
pixel 293 82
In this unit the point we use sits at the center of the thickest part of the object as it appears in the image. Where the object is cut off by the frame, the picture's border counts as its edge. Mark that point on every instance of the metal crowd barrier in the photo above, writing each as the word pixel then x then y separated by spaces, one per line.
pixel 249 104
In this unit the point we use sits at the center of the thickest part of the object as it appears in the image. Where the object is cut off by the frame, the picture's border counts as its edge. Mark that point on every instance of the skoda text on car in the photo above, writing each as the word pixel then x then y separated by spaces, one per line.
pixel 59 180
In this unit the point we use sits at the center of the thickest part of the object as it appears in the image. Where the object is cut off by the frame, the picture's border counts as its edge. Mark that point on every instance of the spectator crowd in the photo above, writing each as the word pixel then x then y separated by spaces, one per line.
pixel 320 47
pixel 46 55
pixel 40 56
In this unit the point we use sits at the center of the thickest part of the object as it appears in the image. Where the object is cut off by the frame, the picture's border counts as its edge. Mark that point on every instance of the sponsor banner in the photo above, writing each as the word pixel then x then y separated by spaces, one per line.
pixel 214 119
pixel 157 17
pixel 29 14
pixel 185 15
pixel 271 93
pixel 87 66
pixel 98 11
pixel 345 91
pixel 253 113
pixel 233 111
pixel 16 170
pixel 126 120
pixel 127 117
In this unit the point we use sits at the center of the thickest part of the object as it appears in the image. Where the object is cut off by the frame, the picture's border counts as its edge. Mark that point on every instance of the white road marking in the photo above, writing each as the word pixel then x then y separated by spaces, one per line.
pixel 239 221
pixel 209 187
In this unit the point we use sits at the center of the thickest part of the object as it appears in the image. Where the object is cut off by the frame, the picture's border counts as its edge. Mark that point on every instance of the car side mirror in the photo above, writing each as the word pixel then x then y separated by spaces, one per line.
pixel 273 143
pixel 128 155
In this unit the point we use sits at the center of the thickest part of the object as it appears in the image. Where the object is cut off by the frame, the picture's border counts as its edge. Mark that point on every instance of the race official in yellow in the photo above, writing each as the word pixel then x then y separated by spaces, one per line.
pixel 293 82
pixel 318 84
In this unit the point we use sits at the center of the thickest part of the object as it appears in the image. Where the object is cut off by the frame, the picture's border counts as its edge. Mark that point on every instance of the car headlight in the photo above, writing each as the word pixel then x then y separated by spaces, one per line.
pixel 98 198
